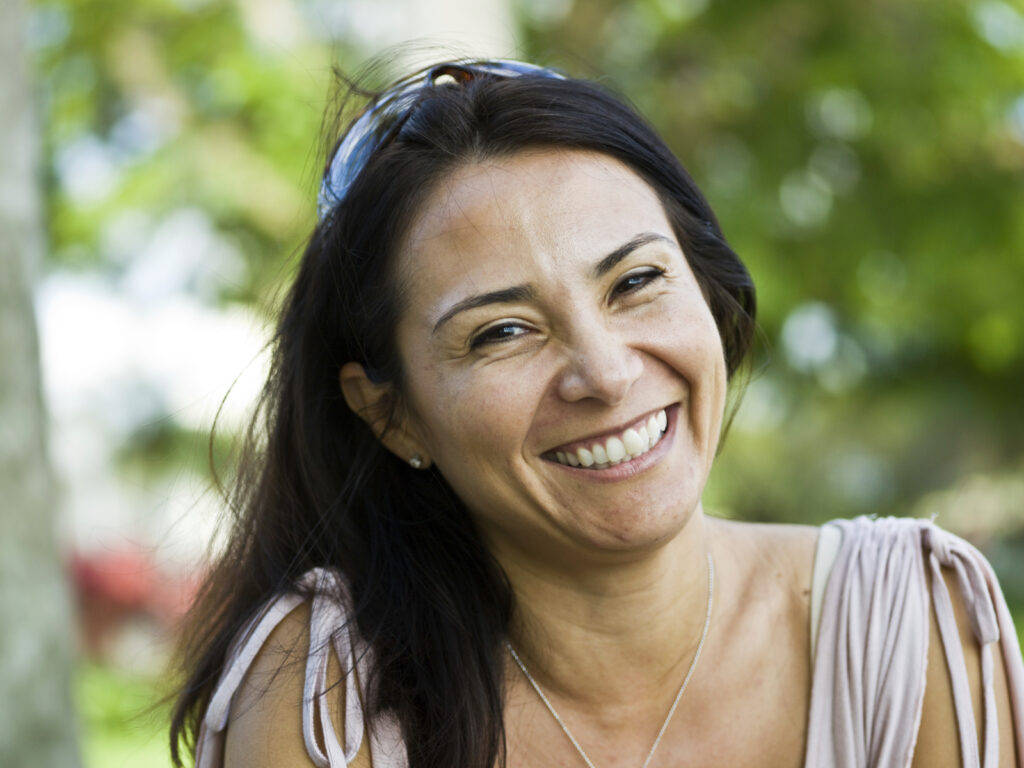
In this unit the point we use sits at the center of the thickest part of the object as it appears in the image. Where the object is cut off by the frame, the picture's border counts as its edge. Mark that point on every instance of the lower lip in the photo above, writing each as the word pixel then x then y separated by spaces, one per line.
pixel 627 469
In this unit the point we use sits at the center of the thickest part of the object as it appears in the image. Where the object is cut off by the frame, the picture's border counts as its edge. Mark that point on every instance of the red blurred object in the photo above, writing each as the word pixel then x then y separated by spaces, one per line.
pixel 116 589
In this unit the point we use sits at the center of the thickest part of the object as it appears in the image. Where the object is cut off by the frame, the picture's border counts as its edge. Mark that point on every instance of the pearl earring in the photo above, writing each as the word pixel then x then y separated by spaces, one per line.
pixel 416 462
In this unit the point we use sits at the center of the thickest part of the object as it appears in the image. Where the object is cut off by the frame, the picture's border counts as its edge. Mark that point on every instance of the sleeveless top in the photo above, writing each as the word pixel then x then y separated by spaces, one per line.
pixel 870 627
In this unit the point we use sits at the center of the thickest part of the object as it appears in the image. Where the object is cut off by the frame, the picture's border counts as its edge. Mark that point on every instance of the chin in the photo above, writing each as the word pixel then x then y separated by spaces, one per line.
pixel 636 531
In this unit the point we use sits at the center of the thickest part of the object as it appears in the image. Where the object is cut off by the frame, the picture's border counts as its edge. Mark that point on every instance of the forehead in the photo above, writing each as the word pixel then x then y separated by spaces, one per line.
pixel 533 210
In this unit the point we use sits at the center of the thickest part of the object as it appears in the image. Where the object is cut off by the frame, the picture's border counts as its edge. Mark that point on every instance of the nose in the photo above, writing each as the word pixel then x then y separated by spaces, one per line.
pixel 599 365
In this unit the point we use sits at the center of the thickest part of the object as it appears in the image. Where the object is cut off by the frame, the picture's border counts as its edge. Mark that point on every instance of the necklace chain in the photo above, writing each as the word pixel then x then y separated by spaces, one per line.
pixel 675 703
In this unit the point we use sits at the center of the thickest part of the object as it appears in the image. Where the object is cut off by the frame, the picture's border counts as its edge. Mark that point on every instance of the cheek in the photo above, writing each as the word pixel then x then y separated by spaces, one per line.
pixel 692 337
pixel 692 347
pixel 473 418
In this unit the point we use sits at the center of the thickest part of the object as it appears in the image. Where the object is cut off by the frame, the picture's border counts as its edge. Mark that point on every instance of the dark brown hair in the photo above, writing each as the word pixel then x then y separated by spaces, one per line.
pixel 315 486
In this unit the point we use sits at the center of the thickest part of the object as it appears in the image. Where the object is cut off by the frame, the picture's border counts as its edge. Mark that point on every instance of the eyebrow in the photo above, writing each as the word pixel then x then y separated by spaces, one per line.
pixel 605 265
pixel 504 296
pixel 517 293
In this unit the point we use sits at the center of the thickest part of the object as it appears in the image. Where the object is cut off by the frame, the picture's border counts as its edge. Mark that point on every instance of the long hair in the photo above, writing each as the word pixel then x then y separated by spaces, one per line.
pixel 315 487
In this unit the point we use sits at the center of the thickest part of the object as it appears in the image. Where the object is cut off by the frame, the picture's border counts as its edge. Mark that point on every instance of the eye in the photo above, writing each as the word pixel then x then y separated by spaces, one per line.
pixel 497 334
pixel 636 281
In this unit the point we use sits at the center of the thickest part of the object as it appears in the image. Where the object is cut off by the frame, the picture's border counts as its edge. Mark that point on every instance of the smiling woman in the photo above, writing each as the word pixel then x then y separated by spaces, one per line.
pixel 470 529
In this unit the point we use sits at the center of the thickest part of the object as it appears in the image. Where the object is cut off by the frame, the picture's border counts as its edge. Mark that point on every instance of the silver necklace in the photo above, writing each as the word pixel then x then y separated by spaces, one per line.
pixel 675 703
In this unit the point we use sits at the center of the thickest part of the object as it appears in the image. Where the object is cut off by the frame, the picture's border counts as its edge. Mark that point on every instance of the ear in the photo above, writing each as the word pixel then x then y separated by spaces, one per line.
pixel 374 403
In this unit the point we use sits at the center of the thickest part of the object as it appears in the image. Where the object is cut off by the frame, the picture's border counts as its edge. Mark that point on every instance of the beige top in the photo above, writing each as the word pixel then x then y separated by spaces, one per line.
pixel 872 644
pixel 870 605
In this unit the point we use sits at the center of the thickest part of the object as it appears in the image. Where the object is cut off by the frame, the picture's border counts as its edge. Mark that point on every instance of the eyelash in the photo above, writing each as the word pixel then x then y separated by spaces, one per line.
pixel 489 335
pixel 648 276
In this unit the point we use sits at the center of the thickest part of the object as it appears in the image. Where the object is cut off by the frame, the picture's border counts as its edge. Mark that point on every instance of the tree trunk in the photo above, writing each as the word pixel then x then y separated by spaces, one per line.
pixel 37 723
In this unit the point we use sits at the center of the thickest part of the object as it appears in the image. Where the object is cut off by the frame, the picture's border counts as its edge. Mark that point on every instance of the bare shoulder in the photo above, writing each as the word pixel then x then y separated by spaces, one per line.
pixel 266 716
pixel 938 743
pixel 781 551
pixel 761 649
pixel 766 569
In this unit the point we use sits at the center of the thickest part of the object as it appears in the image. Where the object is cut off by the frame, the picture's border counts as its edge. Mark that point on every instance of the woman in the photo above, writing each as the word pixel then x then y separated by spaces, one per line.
pixel 472 534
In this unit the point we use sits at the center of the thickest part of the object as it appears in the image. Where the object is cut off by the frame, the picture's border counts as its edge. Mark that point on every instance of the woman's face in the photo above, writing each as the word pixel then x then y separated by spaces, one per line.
pixel 551 320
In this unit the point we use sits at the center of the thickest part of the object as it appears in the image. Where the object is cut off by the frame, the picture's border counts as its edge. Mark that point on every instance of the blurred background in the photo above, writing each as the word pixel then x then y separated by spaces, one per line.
pixel 865 157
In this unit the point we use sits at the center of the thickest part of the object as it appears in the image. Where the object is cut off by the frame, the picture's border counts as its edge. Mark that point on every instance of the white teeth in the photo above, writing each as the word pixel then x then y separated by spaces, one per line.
pixel 586 457
pixel 653 430
pixel 616 450
pixel 632 443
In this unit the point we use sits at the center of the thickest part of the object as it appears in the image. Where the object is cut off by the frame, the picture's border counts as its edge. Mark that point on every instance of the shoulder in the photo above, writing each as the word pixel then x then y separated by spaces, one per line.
pixel 782 554
pixel 901 586
pixel 760 648
pixel 265 727
pixel 940 732
pixel 266 723
pixel 767 569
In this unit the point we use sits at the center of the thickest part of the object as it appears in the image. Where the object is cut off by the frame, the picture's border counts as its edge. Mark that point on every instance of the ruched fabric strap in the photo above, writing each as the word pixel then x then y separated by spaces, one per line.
pixel 872 650
pixel 329 630
pixel 988 615
pixel 327 616
pixel 871 662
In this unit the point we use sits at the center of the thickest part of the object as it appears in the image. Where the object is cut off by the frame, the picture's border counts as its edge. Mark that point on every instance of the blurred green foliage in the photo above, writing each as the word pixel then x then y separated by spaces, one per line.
pixel 187 106
pixel 122 723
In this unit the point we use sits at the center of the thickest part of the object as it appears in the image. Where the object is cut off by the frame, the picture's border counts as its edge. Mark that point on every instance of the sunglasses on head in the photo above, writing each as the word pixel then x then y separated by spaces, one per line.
pixel 382 119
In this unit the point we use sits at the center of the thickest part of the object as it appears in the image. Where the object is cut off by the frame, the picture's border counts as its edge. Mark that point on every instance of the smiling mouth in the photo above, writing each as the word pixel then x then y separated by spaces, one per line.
pixel 629 444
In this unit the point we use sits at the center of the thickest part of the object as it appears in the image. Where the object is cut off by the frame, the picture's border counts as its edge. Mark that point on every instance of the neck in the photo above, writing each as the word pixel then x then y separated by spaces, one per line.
pixel 599 634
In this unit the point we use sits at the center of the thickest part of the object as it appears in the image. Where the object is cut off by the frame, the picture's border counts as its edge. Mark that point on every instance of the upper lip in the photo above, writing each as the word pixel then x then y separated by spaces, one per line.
pixel 586 442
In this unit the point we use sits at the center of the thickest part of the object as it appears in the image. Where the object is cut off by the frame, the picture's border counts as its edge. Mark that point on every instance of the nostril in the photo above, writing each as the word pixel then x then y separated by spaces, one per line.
pixel 601 369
